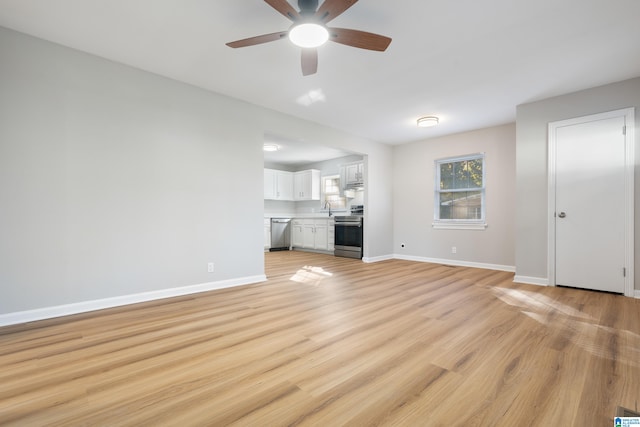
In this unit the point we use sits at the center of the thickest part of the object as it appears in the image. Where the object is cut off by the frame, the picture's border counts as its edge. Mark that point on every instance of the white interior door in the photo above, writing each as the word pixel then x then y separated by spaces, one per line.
pixel 590 204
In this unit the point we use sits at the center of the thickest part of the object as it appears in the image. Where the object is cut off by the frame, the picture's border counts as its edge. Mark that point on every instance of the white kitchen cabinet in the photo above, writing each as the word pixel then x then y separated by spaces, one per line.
pixel 313 233
pixel 354 173
pixel 320 238
pixel 306 185
pixel 285 185
pixel 308 234
pixel 297 234
pixel 278 185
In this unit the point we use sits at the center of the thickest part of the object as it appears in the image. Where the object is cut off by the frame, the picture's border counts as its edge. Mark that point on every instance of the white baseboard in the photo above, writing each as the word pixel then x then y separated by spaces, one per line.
pixel 540 281
pixel 377 258
pixel 457 263
pixel 85 306
pixel 637 294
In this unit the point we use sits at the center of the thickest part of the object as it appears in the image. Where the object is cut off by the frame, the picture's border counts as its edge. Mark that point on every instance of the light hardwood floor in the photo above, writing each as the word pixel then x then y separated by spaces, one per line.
pixel 333 341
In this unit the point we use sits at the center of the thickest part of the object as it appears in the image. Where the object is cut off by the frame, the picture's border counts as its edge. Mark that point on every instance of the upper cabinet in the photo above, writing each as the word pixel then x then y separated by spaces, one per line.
pixel 278 185
pixel 306 185
pixel 354 175
pixel 283 185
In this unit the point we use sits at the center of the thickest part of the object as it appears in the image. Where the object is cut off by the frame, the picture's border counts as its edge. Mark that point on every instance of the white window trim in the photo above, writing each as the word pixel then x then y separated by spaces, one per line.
pixel 458 224
pixel 465 225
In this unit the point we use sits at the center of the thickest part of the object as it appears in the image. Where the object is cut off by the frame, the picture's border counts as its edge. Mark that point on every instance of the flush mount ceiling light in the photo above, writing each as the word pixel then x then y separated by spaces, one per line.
pixel 270 147
pixel 308 35
pixel 428 121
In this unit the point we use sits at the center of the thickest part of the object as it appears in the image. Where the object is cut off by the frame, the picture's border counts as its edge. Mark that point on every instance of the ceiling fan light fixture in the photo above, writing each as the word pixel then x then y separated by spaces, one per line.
pixel 308 30
pixel 270 147
pixel 308 35
pixel 428 121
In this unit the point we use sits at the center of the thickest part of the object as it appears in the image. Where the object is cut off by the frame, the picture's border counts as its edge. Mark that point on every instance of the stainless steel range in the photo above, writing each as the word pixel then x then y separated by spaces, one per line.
pixel 348 232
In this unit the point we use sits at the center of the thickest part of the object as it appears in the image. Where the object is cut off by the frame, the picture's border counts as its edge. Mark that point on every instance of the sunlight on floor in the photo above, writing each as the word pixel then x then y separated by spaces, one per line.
pixel 578 327
pixel 310 275
pixel 532 301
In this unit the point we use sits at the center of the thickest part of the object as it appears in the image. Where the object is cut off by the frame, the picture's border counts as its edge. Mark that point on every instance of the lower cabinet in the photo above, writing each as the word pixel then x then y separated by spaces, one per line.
pixel 312 233
pixel 320 235
pixel 297 235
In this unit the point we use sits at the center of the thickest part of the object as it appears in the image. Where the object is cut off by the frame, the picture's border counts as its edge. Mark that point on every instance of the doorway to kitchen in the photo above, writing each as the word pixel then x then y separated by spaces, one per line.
pixel 311 185
pixel 591 212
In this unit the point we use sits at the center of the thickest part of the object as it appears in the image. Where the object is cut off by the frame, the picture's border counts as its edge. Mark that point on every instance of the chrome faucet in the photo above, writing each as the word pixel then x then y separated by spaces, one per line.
pixel 327 205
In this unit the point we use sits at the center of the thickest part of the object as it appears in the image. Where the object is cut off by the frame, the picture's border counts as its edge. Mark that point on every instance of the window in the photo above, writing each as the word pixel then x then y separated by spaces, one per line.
pixel 459 193
pixel 331 192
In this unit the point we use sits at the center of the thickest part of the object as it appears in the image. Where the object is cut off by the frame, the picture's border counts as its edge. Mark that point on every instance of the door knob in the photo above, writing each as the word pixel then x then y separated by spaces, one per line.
pixel 562 214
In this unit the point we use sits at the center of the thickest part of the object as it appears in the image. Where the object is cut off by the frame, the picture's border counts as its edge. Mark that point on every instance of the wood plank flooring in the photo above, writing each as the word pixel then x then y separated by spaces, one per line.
pixel 333 341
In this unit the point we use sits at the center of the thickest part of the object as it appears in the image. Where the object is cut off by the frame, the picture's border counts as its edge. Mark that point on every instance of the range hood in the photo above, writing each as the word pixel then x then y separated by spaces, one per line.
pixel 357 186
pixel 352 177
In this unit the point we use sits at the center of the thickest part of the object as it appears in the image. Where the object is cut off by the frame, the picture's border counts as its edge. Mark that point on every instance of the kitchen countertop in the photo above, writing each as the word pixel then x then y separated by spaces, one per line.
pixel 316 215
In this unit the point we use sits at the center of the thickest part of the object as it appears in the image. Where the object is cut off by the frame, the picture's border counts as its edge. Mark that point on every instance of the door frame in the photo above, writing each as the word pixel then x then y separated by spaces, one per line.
pixel 629 166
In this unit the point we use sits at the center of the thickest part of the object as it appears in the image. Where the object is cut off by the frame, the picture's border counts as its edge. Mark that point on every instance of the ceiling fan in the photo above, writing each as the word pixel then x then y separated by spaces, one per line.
pixel 309 30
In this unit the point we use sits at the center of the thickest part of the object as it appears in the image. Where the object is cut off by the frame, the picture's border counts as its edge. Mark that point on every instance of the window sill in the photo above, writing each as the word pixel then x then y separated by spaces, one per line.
pixel 459 226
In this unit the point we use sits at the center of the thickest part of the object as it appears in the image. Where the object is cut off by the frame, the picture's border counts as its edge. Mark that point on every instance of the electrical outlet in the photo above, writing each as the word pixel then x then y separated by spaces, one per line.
pixel 454 250
pixel 210 267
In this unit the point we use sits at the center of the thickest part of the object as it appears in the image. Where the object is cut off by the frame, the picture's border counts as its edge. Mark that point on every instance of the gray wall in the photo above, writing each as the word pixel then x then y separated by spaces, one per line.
pixel 413 193
pixel 531 164
pixel 115 181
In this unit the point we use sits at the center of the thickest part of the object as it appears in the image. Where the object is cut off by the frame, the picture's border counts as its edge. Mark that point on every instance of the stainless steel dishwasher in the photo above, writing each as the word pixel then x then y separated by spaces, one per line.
pixel 280 234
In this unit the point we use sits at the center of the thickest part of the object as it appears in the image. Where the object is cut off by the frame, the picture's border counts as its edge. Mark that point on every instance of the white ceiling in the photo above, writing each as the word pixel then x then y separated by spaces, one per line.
pixel 297 153
pixel 469 62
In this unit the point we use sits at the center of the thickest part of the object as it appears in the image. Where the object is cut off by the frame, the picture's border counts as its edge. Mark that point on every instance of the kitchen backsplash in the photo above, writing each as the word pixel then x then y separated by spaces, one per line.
pixel 305 208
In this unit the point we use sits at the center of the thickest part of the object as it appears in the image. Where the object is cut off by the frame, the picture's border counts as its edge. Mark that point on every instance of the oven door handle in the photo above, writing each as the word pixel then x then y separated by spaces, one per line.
pixel 348 224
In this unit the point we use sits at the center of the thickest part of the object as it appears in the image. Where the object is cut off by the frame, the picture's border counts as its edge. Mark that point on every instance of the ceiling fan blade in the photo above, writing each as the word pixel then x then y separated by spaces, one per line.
pixel 284 8
pixel 265 38
pixel 361 39
pixel 331 9
pixel 309 61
